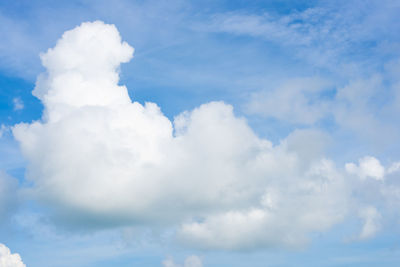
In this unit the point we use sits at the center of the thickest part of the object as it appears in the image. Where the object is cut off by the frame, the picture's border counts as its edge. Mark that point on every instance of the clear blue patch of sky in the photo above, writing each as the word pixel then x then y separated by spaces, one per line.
pixel 16 88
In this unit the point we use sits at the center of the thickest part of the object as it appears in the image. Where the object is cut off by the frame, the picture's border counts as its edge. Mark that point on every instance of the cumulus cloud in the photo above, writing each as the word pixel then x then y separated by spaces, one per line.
pixel 9 260
pixel 191 261
pixel 96 156
pixel 270 223
pixel 367 167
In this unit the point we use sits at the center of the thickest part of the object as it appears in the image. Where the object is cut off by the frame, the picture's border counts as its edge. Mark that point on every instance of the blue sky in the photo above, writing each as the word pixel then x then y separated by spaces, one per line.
pixel 273 140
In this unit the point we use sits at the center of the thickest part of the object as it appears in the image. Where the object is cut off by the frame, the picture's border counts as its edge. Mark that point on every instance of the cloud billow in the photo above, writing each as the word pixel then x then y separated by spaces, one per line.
pixel 96 155
pixel 9 260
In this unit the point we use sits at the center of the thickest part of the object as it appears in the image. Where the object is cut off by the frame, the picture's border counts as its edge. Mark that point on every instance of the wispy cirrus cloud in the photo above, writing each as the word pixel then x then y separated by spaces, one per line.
pixel 327 34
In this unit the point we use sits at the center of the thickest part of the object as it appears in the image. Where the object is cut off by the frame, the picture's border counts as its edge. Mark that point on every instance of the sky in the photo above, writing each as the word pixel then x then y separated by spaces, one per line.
pixel 199 133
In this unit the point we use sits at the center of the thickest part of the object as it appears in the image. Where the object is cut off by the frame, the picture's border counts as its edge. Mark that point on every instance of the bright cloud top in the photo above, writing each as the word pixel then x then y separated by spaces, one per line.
pixel 9 260
pixel 368 167
pixel 96 156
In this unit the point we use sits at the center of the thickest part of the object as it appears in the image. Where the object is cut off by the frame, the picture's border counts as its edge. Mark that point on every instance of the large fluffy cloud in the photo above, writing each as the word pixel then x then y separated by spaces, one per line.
pixel 290 207
pixel 96 156
pixel 9 260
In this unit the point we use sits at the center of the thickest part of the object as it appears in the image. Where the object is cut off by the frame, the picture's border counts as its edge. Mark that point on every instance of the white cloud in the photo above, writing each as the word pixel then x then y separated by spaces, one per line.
pixel 287 211
pixel 394 168
pixel 367 167
pixel 18 104
pixel 96 156
pixel 191 261
pixel 326 34
pixel 357 97
pixel 371 218
pixel 352 108
pixel 9 260
pixel 319 43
